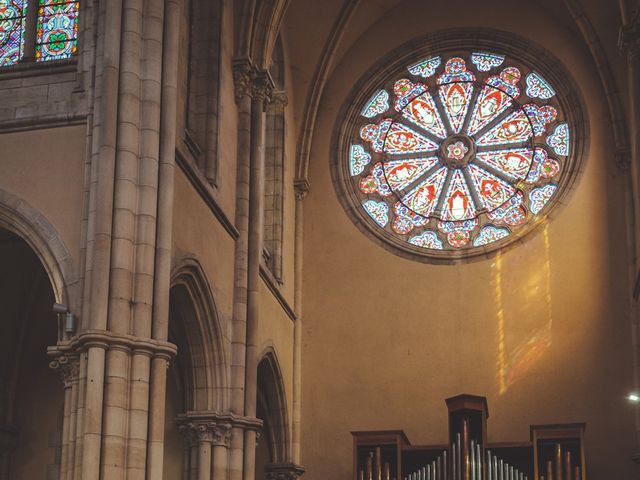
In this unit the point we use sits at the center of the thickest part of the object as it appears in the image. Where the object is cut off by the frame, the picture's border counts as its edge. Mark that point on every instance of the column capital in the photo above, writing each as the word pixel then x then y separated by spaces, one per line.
pixel 67 366
pixel 284 471
pixel 301 188
pixel 263 87
pixel 198 431
pixel 243 75
pixel 213 427
pixel 279 97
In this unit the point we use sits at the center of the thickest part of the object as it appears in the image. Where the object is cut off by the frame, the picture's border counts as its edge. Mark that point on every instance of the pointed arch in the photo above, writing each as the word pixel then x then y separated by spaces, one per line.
pixel 194 326
pixel 260 22
pixel 272 403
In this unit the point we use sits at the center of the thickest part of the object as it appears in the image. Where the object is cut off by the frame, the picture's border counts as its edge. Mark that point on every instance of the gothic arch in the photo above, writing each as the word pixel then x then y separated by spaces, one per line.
pixel 260 24
pixel 17 216
pixel 196 327
pixel 273 403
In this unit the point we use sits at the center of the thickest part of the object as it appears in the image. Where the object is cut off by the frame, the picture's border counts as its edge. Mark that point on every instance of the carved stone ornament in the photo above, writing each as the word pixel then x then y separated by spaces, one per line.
pixel 301 188
pixel 262 87
pixel 283 471
pixel 243 73
pixel 67 367
pixel 218 434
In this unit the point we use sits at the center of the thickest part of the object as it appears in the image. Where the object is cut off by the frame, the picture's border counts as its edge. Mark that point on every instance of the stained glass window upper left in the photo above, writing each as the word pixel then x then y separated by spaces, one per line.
pixel 12 27
pixel 459 153
pixel 54 24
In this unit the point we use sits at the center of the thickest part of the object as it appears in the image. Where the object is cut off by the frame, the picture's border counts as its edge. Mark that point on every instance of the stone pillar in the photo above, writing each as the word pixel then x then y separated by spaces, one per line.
pixel 122 438
pixel 68 367
pixel 301 189
pixel 243 80
pixel 210 434
pixel 262 87
pixel 284 471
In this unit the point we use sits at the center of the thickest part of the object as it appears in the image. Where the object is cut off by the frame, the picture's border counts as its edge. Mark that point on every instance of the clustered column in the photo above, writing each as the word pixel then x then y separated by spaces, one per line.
pixel 209 440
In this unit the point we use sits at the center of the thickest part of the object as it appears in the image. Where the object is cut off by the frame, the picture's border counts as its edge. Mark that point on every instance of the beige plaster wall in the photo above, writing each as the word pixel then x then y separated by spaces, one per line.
pixel 45 168
pixel 386 340
pixel 198 234
pixel 275 330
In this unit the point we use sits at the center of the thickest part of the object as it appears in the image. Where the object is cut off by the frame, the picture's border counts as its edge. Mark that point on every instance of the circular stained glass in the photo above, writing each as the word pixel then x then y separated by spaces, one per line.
pixel 459 154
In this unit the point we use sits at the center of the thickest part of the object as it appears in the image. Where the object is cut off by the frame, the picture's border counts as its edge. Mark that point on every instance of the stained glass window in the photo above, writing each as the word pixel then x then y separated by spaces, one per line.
pixel 57 30
pixel 459 152
pixel 12 27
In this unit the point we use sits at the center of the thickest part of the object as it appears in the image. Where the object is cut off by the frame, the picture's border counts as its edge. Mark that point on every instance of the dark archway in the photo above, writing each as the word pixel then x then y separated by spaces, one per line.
pixel 31 397
pixel 273 446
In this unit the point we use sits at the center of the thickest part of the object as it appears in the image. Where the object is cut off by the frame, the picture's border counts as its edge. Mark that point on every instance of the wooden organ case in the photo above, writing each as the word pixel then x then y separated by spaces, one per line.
pixel 555 452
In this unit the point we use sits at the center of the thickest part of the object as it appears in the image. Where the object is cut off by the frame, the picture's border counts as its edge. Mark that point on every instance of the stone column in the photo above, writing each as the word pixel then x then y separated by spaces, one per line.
pixel 243 80
pixel 301 189
pixel 262 87
pixel 210 434
pixel 67 367
pixel 221 440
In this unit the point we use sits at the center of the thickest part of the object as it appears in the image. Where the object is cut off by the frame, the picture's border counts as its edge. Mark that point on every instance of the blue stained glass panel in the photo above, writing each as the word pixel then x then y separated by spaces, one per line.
pixel 57 30
pixel 12 26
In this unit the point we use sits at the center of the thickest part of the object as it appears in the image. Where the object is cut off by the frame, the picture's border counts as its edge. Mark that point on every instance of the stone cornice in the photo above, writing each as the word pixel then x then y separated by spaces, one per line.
pixel 237 421
pixel 110 340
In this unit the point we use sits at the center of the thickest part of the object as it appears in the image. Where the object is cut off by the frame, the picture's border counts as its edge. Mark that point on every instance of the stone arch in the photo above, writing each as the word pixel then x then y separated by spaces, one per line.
pixel 195 325
pixel 260 24
pixel 19 217
pixel 272 403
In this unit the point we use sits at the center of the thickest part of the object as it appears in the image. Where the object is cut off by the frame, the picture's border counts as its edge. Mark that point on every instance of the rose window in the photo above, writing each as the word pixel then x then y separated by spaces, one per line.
pixel 458 154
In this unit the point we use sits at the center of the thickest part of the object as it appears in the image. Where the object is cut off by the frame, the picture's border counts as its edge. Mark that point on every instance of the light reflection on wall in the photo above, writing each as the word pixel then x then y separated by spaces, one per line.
pixel 524 325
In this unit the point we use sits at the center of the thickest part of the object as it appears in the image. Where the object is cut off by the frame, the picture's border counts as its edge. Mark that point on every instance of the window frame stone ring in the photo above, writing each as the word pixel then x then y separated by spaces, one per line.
pixel 456 146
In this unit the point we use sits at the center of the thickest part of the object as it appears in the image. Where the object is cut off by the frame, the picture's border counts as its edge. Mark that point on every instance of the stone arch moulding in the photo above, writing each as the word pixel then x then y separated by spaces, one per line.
pixel 394 64
pixel 17 216
pixel 271 387
pixel 259 28
pixel 206 329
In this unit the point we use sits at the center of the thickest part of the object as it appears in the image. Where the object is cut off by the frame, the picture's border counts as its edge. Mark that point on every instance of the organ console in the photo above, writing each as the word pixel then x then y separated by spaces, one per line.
pixel 555 452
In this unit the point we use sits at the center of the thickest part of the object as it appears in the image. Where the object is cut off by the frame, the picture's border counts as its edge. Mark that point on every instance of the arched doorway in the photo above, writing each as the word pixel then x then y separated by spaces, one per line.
pixel 31 397
pixel 196 378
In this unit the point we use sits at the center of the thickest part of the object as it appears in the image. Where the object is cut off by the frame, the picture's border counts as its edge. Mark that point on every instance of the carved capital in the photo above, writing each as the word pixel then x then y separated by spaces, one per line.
pixel 278 97
pixel 67 367
pixel 263 88
pixel 301 188
pixel 198 427
pixel 283 471
pixel 243 76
